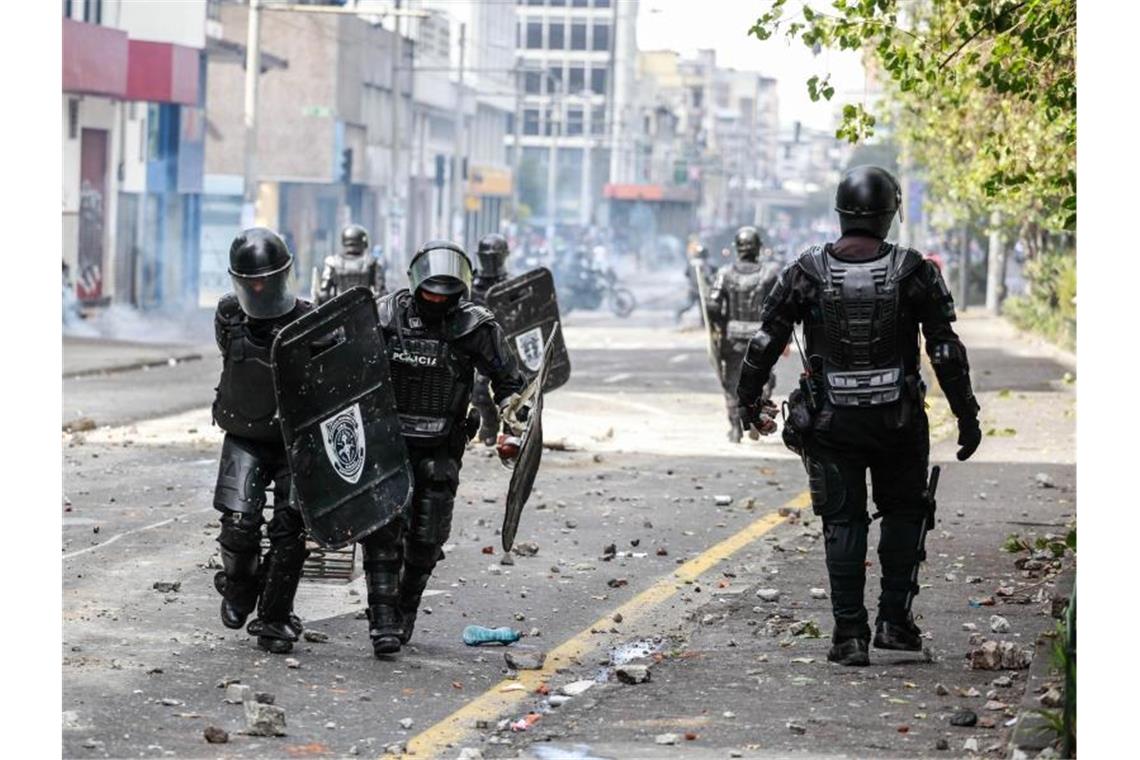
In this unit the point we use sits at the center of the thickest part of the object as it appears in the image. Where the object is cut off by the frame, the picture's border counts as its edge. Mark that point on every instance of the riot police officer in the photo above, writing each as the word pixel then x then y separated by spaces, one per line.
pixel 436 340
pixel 352 267
pixel 862 301
pixel 492 254
pixel 737 293
pixel 696 265
pixel 253 451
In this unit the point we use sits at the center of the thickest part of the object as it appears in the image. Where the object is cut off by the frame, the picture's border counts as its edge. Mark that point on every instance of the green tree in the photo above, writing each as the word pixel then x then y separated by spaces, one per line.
pixel 981 94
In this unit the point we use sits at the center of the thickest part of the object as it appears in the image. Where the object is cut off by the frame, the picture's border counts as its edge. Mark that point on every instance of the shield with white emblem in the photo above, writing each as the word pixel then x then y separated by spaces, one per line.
pixel 338 416
pixel 526 307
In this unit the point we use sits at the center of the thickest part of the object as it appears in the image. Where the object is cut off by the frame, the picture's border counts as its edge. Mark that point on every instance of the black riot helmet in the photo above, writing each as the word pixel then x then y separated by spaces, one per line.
pixel 867 199
pixel 354 239
pixel 747 242
pixel 492 254
pixel 259 267
pixel 439 275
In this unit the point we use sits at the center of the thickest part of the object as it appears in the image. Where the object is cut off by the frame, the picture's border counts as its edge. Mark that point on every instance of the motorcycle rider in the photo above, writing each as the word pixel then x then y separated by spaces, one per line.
pixel 737 293
pixel 253 450
pixel 492 254
pixel 436 340
pixel 351 267
pixel 862 301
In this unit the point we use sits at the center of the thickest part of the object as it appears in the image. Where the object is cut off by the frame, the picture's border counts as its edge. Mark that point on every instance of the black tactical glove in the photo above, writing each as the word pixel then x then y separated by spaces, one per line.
pixel 969 436
pixel 760 418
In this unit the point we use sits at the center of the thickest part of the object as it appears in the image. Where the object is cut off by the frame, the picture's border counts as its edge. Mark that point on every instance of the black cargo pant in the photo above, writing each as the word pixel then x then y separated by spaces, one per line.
pixel 246 469
pixel 837 459
pixel 400 557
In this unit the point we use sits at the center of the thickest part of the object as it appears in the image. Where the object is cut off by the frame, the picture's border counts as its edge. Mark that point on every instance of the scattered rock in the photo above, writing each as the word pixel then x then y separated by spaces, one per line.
pixel 806 628
pixel 722 500
pixel 167 587
pixel 526 549
pixel 617 617
pixel 79 425
pixel 941 690
pixel 818 593
pixel 577 688
pixel 1044 480
pixel 470 753
pixel 292 662
pixel 768 594
pixel 1002 682
pixel 264 720
pixel 215 735
pixel 998 624
pixel 796 727
pixel 237 693
pixel 1003 655
pixel 970 745
pixel 264 697
pixel 406 723
pixel 942 744
pixel 964 718
pixel 666 739
pixel 1052 698
pixel 522 660
pixel 316 637
pixel 617 582
pixel 632 674
pixel 571 524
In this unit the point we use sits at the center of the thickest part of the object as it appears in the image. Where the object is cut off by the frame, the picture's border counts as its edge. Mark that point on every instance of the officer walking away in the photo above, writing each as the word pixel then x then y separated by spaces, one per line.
pixel 492 254
pixel 737 293
pixel 253 450
pixel 697 260
pixel 436 340
pixel 861 301
pixel 353 266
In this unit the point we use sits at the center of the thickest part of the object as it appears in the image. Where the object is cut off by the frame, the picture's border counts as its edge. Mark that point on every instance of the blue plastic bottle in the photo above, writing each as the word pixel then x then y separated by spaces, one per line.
pixel 474 635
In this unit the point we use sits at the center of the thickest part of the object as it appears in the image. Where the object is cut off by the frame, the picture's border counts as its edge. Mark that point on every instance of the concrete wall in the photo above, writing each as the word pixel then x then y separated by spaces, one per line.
pixel 182 22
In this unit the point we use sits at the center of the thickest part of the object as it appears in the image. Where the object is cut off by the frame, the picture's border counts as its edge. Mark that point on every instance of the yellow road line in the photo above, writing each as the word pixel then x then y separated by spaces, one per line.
pixel 496 702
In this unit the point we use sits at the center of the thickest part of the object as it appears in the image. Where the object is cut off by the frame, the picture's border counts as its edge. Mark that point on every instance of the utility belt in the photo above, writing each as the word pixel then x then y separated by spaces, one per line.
pixel 738 330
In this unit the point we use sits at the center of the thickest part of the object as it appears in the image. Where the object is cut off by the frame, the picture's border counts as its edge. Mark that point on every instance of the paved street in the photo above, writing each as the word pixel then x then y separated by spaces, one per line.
pixel 639 462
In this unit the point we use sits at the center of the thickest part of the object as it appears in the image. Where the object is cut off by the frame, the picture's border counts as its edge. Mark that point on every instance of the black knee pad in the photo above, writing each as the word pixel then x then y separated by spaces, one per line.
pixel 828 491
pixel 240 532
pixel 422 555
pixel 242 476
pixel 430 519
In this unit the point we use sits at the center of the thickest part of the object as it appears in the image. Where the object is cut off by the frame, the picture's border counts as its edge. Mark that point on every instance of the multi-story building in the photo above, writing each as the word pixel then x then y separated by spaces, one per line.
pixel 576 64
pixel 133 130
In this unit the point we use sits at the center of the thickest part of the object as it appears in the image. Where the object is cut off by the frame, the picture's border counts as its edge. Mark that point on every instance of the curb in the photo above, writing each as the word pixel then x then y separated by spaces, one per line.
pixel 1032 733
pixel 142 364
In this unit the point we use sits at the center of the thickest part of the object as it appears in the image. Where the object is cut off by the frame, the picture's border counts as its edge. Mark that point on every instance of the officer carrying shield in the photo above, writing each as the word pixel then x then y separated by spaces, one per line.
pixel 492 254
pixel 862 301
pixel 436 340
pixel 734 312
pixel 696 265
pixel 253 451
pixel 351 267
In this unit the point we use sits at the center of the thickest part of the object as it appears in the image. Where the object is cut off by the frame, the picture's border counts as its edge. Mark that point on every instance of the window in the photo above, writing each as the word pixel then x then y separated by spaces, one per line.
pixel 601 37
pixel 73 118
pixel 557 3
pixel 554 80
pixel 67 8
pixel 577 80
pixel 601 3
pixel 598 121
pixel 556 36
pixel 598 81
pixel 530 121
pixel 534 35
pixel 535 2
pixel 549 123
pixel 578 36
pixel 580 3
pixel 698 96
pixel 533 82
pixel 574 121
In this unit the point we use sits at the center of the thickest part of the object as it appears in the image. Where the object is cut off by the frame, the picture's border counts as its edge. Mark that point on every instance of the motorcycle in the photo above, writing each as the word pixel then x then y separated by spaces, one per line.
pixel 587 288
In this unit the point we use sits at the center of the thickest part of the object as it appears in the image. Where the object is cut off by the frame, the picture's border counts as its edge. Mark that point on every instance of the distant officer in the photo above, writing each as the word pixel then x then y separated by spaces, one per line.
pixel 253 450
pixel 862 301
pixel 492 254
pixel 352 267
pixel 737 293
pixel 696 264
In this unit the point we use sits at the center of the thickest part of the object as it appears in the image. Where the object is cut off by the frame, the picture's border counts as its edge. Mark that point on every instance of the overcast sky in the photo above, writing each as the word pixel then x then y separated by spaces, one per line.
pixel 688 25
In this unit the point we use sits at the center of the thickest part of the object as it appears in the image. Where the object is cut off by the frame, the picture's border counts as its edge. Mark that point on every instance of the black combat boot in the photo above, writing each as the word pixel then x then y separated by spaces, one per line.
pixel 239 584
pixel 385 628
pixel 849 644
pixel 383 553
pixel 903 635
pixel 412 584
pixel 277 627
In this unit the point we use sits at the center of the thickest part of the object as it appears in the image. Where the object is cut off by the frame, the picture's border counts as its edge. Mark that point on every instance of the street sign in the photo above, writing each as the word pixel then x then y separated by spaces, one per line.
pixel 323 112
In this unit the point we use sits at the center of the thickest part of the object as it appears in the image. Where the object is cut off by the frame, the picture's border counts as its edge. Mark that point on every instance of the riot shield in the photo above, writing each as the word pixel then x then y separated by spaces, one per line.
pixel 527 309
pixel 338 415
pixel 710 334
pixel 530 448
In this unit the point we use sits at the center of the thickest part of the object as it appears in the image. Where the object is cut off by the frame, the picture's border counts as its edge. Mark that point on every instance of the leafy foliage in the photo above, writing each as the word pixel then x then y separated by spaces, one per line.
pixel 982 93
pixel 1050 305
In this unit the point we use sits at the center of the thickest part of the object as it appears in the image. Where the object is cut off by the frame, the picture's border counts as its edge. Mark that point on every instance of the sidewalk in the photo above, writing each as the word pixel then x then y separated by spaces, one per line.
pixel 121 338
pixel 747 676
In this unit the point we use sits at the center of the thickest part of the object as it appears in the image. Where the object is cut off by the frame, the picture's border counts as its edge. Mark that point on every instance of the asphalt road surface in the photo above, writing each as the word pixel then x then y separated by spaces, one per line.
pixel 641 463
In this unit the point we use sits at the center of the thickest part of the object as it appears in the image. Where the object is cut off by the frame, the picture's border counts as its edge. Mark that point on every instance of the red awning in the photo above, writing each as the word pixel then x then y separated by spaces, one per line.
pixel 162 72
pixel 94 59
pixel 631 192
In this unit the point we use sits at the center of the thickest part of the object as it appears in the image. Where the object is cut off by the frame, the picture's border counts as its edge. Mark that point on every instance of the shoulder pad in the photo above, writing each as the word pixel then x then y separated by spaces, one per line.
pixel 905 262
pixel 467 318
pixel 229 310
pixel 813 263
pixel 388 305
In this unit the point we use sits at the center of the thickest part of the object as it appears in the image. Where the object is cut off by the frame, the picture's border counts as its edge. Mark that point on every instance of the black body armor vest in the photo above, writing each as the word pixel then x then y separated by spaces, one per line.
pixel 351 271
pixel 245 403
pixel 746 284
pixel 858 328
pixel 431 379
pixel 480 285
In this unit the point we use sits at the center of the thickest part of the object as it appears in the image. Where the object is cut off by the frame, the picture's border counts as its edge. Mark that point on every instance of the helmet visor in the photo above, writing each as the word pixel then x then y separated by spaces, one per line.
pixel 265 296
pixel 441 270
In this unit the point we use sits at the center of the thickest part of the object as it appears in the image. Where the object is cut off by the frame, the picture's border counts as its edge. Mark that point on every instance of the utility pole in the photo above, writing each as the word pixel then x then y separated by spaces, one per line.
pixel 554 124
pixel 457 208
pixel 252 73
pixel 964 269
pixel 995 266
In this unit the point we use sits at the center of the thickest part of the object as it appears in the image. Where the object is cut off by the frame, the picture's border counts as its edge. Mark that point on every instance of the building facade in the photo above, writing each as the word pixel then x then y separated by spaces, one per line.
pixel 133 130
